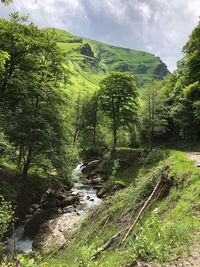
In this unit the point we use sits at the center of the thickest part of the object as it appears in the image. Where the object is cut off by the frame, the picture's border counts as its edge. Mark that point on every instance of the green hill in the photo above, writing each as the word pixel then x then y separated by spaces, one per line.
pixel 90 61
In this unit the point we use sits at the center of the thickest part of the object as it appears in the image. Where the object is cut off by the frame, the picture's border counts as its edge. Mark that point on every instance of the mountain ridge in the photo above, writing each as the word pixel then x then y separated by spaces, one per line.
pixel 86 56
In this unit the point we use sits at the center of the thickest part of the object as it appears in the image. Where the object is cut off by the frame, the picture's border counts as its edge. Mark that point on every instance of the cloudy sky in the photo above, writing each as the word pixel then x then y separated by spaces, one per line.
pixel 160 27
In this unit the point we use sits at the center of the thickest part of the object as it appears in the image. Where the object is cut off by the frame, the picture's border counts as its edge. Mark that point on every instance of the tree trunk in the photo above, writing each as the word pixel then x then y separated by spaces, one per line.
pixel 114 138
pixel 76 135
pixel 94 136
pixel 27 164
pixel 20 157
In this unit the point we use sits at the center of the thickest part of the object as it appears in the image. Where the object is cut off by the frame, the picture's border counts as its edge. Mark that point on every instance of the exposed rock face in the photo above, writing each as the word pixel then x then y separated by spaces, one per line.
pixel 31 228
pixel 161 70
pixel 55 233
pixel 87 50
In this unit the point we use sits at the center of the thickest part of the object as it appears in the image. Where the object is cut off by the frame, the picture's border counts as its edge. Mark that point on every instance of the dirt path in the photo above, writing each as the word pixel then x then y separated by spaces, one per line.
pixel 195 156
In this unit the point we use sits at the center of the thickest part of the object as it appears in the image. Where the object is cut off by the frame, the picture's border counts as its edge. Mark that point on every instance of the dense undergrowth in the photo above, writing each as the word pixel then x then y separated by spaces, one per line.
pixel 166 230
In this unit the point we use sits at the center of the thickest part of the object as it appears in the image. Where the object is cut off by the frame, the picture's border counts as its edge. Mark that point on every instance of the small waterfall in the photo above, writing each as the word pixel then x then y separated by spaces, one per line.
pixel 88 200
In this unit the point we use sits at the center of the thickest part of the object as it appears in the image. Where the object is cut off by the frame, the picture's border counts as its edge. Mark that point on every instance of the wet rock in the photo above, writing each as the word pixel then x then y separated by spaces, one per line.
pixel 55 232
pixel 68 209
pixel 70 200
pixel 97 179
pixel 31 228
pixel 50 202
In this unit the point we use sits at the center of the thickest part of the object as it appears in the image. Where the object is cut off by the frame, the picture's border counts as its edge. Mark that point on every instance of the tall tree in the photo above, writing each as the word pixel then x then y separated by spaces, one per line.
pixel 118 99
pixel 153 112
pixel 32 94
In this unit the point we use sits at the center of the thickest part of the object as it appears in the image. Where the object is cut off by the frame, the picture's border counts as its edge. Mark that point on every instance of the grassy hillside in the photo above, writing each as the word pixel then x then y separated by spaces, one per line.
pixel 90 61
pixel 166 230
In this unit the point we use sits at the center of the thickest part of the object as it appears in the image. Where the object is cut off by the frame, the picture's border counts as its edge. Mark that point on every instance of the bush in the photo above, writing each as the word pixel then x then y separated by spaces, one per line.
pixel 6 218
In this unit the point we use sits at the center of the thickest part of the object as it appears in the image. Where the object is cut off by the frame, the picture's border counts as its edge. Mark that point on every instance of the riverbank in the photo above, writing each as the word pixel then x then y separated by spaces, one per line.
pixel 55 217
pixel 166 231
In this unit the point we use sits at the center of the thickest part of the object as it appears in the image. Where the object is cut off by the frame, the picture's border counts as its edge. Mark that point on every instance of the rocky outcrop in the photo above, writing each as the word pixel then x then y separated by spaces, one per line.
pixel 54 233
pixel 86 50
pixel 161 70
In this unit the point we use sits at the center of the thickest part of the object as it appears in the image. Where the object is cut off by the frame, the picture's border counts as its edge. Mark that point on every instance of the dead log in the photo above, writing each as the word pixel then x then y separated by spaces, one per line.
pixel 163 179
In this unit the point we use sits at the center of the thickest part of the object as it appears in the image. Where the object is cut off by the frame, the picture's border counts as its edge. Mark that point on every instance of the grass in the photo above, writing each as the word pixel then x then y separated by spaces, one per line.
pixel 166 231
pixel 86 73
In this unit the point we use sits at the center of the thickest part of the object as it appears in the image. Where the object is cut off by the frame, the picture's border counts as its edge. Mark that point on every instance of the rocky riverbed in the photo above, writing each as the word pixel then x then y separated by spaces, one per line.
pixel 58 215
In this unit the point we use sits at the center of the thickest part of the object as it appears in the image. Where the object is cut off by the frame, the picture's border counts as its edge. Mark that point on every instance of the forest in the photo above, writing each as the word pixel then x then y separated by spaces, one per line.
pixel 62 104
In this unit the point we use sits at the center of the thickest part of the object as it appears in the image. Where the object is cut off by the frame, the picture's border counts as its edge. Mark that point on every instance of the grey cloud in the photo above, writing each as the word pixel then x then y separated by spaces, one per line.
pixel 158 26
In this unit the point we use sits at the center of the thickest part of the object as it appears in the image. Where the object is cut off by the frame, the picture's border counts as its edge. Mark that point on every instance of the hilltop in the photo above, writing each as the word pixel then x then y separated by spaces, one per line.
pixel 90 61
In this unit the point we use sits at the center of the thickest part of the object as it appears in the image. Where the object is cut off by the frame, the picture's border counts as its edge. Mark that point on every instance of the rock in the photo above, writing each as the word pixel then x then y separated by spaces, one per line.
pixel 87 50
pixel 75 193
pixel 31 228
pixel 51 202
pixel 55 232
pixel 97 180
pixel 70 200
pixel 68 209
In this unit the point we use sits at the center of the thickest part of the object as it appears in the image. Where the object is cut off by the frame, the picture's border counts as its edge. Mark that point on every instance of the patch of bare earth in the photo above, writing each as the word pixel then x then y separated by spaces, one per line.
pixel 195 156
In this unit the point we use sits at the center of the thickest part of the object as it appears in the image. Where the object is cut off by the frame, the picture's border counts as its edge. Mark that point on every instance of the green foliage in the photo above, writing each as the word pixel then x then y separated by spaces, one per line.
pixel 161 241
pixel 118 100
pixel 6 215
pixel 33 97
pixel 153 113
pixel 6 218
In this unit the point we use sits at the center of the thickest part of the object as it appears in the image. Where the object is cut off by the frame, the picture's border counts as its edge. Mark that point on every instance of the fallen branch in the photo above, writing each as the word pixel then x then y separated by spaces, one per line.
pixel 142 210
pixel 163 178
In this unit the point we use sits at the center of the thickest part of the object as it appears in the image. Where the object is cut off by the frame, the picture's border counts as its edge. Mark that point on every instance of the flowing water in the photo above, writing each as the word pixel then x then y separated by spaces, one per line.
pixel 88 199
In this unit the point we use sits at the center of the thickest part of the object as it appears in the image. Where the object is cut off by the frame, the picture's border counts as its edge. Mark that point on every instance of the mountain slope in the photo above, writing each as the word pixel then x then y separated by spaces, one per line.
pixel 90 61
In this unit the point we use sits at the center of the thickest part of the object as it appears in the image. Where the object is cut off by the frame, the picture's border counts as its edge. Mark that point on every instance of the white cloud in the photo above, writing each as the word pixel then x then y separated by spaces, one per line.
pixel 158 26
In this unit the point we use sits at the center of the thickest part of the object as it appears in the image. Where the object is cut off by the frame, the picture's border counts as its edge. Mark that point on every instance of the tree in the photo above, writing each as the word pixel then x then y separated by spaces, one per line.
pixel 32 95
pixel 118 100
pixel 153 112
pixel 91 121
pixel 6 2
pixel 192 56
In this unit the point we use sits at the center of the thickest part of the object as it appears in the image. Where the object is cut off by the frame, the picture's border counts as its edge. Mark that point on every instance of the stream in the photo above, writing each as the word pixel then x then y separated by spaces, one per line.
pixel 88 199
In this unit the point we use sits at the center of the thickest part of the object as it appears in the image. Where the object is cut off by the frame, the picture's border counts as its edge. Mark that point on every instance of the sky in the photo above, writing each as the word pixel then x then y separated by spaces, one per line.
pixel 160 27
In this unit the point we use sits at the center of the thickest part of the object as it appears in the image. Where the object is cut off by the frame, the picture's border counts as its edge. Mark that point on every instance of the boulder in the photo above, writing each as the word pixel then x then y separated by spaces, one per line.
pixel 50 202
pixel 54 233
pixel 70 200
pixel 97 180
pixel 32 226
